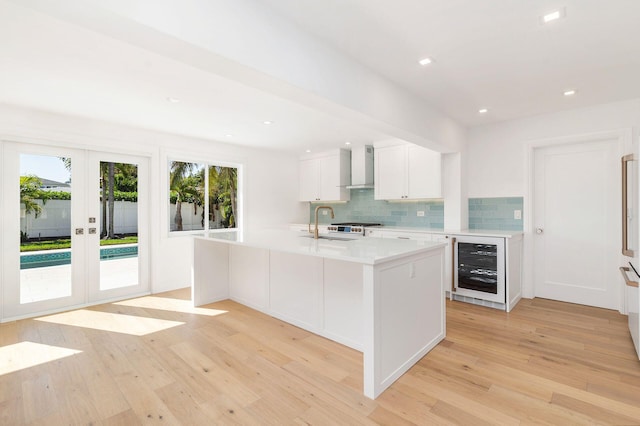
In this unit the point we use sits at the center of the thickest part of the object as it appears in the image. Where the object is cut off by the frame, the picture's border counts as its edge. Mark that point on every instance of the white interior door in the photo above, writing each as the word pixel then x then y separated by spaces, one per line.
pixel 54 259
pixel 577 223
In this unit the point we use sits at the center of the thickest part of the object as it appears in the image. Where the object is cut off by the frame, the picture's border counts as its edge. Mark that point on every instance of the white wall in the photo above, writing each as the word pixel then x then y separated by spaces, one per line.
pixel 269 178
pixel 498 154
pixel 496 160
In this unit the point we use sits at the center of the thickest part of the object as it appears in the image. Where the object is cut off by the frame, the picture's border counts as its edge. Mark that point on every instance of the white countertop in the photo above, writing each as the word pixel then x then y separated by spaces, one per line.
pixel 475 232
pixel 363 250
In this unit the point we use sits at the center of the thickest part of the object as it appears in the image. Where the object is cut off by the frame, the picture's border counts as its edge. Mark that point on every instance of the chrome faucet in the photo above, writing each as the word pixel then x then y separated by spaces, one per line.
pixel 315 229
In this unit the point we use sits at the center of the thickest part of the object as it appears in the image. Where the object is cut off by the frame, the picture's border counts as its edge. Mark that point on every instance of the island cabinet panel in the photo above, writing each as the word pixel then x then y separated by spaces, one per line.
pixel 296 289
pixel 406 327
pixel 343 312
pixel 211 270
pixel 249 273
pixel 404 316
pixel 383 297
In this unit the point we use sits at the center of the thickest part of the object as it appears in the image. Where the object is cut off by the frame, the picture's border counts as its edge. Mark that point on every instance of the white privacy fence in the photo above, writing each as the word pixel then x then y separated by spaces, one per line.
pixel 55 219
pixel 193 219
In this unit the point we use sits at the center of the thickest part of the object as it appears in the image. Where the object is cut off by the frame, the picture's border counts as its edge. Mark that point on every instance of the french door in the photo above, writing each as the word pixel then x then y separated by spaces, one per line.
pixel 82 217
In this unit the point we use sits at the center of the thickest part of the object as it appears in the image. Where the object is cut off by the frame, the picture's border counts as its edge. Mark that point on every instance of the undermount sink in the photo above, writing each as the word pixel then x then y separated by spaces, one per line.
pixel 327 237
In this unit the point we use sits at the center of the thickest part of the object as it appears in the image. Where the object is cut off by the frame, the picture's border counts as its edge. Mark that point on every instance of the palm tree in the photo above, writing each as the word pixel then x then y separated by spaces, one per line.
pixel 223 189
pixel 113 176
pixel 29 192
pixel 186 186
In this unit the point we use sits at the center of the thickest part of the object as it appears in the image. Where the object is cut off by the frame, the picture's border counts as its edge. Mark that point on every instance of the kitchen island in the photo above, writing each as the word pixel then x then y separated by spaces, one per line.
pixel 382 297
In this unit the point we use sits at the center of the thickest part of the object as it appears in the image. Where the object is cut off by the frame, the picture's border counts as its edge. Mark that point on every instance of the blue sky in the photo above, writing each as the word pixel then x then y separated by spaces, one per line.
pixel 43 166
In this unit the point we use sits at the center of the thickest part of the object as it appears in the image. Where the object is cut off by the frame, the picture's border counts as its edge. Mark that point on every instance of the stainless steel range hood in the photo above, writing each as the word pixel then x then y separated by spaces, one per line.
pixel 361 167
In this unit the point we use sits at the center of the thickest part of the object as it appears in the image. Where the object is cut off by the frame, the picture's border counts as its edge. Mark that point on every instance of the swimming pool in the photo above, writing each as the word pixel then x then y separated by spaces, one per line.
pixel 43 259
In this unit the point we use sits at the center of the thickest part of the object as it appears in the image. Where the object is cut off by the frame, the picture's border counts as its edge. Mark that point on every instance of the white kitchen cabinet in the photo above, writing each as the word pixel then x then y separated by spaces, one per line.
pixel 296 289
pixel 421 236
pixel 249 270
pixel 325 176
pixel 384 300
pixel 407 172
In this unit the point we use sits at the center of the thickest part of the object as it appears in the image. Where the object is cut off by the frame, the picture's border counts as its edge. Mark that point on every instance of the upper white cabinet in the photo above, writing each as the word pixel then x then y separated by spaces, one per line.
pixel 325 176
pixel 407 172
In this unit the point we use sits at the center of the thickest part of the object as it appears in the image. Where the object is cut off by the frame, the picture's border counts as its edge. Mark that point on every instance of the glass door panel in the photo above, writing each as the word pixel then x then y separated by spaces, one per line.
pixel 117 231
pixel 45 227
pixel 43 257
pixel 119 266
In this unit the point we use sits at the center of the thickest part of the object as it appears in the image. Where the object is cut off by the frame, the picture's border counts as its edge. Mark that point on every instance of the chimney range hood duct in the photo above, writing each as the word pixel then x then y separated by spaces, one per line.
pixel 361 167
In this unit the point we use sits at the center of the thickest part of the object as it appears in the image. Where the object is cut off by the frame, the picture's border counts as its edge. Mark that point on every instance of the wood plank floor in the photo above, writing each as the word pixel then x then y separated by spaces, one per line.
pixel 155 360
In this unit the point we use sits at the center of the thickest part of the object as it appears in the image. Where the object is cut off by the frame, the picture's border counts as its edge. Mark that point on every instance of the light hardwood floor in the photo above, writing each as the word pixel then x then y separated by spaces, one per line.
pixel 544 363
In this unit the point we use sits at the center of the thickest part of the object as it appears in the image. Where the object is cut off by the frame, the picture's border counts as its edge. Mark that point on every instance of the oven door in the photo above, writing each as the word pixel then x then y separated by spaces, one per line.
pixel 480 268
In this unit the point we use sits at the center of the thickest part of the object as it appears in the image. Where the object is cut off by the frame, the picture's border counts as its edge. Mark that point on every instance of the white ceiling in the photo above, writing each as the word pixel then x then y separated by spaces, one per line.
pixel 489 53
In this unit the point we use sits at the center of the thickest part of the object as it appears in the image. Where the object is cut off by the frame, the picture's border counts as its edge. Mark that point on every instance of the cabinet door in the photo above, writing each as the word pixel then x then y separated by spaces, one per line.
pixel 448 259
pixel 309 177
pixel 418 236
pixel 423 173
pixel 329 180
pixel 390 173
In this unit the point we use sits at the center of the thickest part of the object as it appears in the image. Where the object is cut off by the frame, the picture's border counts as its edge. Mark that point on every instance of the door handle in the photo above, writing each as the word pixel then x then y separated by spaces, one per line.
pixel 539 231
pixel 630 283
pixel 453 267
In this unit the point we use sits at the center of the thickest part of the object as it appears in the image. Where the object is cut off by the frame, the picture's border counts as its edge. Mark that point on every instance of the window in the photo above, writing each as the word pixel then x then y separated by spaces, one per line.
pixel 190 209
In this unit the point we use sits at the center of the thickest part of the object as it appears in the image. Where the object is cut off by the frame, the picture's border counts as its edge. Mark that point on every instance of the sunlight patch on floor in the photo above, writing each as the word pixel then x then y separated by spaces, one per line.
pixel 108 321
pixel 169 304
pixel 28 354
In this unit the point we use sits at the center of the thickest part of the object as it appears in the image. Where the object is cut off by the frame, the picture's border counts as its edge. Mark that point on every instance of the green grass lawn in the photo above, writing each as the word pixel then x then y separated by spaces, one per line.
pixel 66 243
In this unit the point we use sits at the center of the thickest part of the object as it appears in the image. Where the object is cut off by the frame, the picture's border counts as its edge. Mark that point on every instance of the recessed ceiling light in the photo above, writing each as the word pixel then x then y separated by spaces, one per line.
pixel 308 150
pixel 173 100
pixel 553 16
pixel 569 92
pixel 483 111
pixel 426 61
pixel 229 135
pixel 267 122
pixel 347 143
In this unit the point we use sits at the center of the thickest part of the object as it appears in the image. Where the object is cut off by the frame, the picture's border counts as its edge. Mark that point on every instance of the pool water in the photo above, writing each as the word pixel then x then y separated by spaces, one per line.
pixel 43 259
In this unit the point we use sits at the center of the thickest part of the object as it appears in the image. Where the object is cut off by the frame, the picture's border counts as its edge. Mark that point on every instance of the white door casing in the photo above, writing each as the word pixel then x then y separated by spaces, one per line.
pixel 576 222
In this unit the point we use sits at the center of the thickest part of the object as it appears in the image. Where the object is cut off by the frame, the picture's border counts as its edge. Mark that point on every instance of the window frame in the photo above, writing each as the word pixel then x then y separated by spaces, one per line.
pixel 239 216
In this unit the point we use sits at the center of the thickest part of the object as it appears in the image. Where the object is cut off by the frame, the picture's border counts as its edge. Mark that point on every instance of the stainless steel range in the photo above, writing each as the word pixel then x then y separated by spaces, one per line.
pixel 350 228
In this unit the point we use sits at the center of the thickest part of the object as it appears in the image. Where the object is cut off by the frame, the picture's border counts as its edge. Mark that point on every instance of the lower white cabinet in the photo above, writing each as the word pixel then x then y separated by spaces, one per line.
pixel 296 289
pixel 421 236
pixel 343 298
pixel 249 268
pixel 324 296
